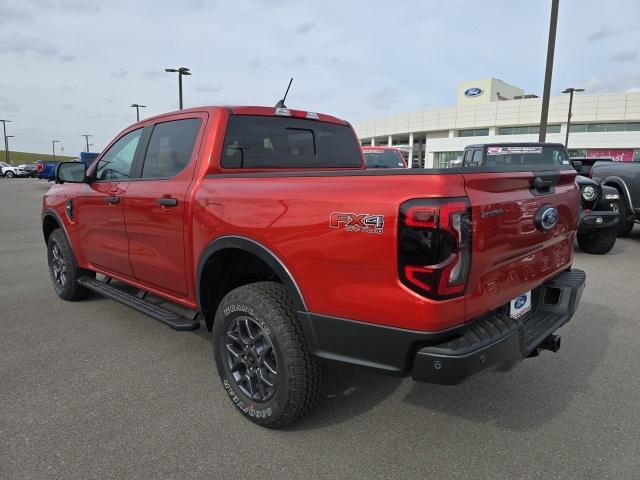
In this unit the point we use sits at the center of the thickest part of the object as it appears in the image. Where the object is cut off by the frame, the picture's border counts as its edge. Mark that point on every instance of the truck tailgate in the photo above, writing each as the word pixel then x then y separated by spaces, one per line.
pixel 512 253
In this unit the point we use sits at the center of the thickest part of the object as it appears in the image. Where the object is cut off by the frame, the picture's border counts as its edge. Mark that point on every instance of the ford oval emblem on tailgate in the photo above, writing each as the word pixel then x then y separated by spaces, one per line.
pixel 546 217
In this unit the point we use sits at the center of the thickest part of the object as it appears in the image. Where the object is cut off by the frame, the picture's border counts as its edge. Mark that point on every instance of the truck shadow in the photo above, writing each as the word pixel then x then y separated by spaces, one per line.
pixel 534 392
pixel 351 391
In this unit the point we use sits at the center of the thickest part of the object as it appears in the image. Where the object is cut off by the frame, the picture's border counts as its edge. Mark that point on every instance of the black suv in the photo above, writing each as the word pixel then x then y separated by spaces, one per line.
pixel 599 208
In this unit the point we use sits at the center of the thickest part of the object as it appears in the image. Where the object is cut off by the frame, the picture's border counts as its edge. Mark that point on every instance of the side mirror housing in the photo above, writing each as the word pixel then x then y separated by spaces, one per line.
pixel 577 164
pixel 71 172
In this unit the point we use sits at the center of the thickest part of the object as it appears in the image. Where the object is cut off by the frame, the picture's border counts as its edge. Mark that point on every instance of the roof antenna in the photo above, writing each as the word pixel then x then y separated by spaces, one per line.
pixel 280 103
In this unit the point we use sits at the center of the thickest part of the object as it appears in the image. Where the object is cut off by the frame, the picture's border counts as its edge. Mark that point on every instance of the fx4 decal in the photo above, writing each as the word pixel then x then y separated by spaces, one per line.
pixel 357 222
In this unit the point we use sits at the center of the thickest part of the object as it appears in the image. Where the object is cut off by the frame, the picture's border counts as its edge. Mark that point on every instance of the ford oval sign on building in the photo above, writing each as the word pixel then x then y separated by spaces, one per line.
pixel 473 92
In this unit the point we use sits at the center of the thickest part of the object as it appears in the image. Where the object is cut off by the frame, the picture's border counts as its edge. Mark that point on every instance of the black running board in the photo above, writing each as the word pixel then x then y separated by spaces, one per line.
pixel 173 319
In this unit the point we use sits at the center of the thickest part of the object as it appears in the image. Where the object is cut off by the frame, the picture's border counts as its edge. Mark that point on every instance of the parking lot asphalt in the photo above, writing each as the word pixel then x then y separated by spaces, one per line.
pixel 93 389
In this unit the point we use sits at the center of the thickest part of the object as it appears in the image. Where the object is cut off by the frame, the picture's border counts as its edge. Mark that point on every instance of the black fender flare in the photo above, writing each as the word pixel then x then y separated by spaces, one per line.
pixel 260 251
pixel 48 212
pixel 619 183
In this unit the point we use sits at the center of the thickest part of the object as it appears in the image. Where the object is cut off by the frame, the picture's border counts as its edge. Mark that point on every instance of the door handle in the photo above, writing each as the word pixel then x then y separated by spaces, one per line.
pixel 167 201
pixel 112 199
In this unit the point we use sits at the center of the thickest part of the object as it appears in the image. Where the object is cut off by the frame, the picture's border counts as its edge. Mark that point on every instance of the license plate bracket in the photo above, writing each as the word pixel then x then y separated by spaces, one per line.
pixel 520 305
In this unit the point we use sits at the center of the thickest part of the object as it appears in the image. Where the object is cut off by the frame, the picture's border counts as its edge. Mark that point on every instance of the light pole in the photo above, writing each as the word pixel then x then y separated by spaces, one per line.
pixel 86 137
pixel 53 148
pixel 6 148
pixel 137 106
pixel 6 142
pixel 549 70
pixel 570 91
pixel 180 71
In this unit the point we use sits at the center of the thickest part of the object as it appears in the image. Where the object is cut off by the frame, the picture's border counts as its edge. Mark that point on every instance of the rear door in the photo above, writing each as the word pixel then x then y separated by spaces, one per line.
pixel 512 251
pixel 155 203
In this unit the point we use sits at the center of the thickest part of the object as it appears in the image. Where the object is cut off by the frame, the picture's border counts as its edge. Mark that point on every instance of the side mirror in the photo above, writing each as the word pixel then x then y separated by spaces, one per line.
pixel 72 172
pixel 577 164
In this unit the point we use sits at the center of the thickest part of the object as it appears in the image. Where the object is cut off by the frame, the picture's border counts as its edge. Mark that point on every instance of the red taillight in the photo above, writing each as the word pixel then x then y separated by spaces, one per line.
pixel 434 246
pixel 421 217
pixel 40 167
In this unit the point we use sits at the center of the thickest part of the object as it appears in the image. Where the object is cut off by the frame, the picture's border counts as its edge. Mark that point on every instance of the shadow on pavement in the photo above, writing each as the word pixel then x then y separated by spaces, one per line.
pixel 537 389
pixel 351 391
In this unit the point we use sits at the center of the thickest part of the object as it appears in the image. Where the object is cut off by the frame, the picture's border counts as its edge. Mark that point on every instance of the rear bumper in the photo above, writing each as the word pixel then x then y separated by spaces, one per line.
pixel 497 340
pixel 450 356
pixel 598 219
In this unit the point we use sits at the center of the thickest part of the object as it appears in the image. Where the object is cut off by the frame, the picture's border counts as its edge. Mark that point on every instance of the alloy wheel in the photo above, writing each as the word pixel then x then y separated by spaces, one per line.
pixel 251 358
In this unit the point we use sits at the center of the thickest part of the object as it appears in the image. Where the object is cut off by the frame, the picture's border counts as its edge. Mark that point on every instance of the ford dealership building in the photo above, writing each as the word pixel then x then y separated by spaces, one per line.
pixel 490 110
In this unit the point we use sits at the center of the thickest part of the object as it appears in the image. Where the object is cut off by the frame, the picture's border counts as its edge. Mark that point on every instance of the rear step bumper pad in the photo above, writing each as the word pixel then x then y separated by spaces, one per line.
pixel 498 340
pixel 168 317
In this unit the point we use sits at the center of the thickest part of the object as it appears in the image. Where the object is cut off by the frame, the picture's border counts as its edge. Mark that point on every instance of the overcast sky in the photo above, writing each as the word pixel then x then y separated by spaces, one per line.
pixel 69 67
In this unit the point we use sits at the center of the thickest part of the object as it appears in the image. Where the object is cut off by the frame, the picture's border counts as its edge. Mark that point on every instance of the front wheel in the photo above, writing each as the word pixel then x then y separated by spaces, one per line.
pixel 63 269
pixel 262 357
pixel 598 241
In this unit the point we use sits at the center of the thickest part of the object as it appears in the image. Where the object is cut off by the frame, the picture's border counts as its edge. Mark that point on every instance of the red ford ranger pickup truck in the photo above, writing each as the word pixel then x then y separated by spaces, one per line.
pixel 265 223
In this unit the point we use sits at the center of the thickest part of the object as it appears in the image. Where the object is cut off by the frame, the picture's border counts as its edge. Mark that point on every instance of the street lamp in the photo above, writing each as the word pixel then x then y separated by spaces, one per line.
pixel 86 137
pixel 53 148
pixel 137 106
pixel 6 143
pixel 551 45
pixel 180 71
pixel 6 148
pixel 570 92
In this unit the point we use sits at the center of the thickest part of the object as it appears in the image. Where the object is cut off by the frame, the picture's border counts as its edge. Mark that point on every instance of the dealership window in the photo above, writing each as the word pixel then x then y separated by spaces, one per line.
pixel 596 127
pixel 442 159
pixel 605 127
pixel 527 130
pixel 578 128
pixel 475 132
pixel 615 127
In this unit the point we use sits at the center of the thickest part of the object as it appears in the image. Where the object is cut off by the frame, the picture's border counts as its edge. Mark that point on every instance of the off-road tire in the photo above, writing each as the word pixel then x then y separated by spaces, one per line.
pixel 624 225
pixel 301 376
pixel 598 240
pixel 69 289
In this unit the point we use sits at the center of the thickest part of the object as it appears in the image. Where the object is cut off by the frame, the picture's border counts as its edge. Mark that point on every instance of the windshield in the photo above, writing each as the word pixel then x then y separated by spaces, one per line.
pixel 526 155
pixel 383 159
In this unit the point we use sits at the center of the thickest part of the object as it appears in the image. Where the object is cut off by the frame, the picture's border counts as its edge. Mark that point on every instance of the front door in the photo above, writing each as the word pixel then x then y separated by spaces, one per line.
pixel 155 205
pixel 99 207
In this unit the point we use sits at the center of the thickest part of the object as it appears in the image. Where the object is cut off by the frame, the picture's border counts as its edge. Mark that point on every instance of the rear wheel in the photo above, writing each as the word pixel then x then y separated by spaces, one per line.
pixel 624 225
pixel 63 269
pixel 262 357
pixel 598 241
pixel 9 174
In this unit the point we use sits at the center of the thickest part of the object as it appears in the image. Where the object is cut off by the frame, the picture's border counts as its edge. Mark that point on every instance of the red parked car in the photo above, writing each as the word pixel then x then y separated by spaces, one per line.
pixel 265 223
pixel 384 157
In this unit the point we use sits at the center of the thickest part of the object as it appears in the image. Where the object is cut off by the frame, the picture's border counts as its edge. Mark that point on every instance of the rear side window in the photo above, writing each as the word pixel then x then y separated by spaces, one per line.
pixel 255 141
pixel 170 148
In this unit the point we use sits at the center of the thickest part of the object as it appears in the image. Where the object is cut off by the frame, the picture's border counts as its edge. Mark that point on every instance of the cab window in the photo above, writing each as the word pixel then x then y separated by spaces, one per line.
pixel 170 148
pixel 116 163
